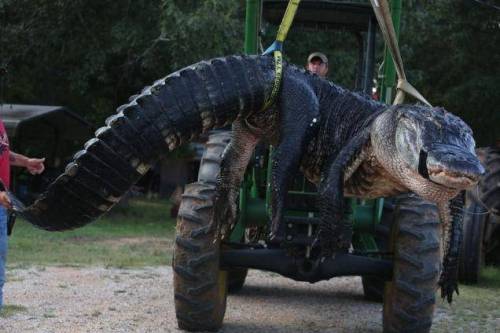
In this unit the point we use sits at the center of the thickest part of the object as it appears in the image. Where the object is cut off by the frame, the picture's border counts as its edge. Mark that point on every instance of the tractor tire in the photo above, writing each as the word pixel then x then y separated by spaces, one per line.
pixel 409 298
pixel 200 287
pixel 212 157
pixel 373 286
pixel 208 173
pixel 472 252
pixel 489 186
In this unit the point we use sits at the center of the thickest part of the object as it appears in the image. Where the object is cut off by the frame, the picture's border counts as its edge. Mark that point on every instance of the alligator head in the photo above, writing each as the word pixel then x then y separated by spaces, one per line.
pixel 428 150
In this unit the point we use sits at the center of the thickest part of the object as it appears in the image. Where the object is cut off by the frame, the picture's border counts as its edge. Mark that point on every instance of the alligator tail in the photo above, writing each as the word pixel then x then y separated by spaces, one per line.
pixel 206 95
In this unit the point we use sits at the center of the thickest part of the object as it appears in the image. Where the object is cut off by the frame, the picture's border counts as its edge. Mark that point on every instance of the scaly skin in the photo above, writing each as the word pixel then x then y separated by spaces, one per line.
pixel 452 215
pixel 345 142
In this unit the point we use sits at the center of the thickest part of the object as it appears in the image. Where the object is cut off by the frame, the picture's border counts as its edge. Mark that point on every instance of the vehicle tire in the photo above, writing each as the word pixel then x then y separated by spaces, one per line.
pixel 472 252
pixel 212 157
pixel 373 286
pixel 489 186
pixel 409 298
pixel 208 173
pixel 200 287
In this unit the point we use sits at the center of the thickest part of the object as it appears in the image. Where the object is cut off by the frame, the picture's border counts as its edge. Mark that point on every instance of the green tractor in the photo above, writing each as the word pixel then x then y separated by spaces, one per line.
pixel 396 244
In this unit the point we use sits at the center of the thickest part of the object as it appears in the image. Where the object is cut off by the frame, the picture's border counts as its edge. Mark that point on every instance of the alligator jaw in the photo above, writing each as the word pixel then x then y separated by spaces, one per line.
pixel 451 179
pixel 452 167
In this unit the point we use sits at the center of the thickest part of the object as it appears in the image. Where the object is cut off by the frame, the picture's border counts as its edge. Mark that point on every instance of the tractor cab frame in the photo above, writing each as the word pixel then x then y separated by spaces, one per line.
pixel 357 18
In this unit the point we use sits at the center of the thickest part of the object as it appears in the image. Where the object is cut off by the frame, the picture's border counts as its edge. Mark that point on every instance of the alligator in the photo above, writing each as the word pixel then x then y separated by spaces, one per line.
pixel 345 142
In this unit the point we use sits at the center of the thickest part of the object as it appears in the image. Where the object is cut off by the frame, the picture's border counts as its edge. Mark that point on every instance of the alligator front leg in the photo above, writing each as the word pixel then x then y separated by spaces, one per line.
pixel 335 230
pixel 298 123
pixel 451 213
pixel 234 163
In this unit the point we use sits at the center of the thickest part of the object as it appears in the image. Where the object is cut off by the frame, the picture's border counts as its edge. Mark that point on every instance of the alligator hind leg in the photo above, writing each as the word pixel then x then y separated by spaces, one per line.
pixel 335 230
pixel 234 163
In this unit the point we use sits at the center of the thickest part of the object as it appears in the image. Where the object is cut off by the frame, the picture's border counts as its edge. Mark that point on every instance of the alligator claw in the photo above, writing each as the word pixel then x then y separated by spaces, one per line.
pixel 329 245
pixel 225 213
pixel 448 284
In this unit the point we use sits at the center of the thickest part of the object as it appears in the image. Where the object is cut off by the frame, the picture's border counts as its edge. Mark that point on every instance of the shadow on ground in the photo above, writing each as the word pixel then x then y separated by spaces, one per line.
pixel 282 305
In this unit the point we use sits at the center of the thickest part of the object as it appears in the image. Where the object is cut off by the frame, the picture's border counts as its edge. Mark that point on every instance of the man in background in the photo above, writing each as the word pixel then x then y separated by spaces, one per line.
pixel 8 158
pixel 317 63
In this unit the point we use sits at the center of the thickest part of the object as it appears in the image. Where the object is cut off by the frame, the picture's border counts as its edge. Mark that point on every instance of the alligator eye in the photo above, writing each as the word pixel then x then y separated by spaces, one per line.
pixel 422 164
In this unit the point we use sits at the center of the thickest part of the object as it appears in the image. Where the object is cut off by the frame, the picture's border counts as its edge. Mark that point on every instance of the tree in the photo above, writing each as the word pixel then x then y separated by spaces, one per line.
pixel 91 55
pixel 452 52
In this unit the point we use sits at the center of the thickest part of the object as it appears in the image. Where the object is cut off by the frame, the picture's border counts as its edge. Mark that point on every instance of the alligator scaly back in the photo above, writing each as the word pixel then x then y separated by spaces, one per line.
pixel 206 95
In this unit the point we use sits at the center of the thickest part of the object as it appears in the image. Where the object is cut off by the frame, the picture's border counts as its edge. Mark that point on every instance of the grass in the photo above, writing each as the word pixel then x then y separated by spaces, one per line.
pixel 476 309
pixel 10 310
pixel 139 234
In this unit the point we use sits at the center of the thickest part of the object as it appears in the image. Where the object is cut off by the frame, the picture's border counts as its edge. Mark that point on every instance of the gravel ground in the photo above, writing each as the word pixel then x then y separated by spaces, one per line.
pixel 68 299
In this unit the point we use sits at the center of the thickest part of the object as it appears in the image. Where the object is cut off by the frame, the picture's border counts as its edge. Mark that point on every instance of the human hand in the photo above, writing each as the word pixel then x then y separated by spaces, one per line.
pixel 4 200
pixel 35 165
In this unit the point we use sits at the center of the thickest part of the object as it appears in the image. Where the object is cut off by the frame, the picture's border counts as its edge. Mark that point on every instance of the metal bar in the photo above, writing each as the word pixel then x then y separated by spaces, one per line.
pixel 252 26
pixel 360 79
pixel 300 269
pixel 369 56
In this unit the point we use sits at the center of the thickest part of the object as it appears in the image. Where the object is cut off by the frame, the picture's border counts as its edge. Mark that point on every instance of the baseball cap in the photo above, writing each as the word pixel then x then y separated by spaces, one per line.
pixel 319 55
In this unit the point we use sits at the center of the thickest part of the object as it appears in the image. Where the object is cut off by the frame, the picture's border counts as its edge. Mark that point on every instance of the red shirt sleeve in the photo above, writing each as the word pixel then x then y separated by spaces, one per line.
pixel 4 156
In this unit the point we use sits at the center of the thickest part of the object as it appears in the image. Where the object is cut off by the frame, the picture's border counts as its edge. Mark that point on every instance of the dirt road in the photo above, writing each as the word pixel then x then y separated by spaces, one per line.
pixel 67 299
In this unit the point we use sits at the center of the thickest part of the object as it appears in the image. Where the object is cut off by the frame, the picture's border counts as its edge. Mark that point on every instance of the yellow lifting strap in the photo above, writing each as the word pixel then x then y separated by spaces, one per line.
pixel 287 20
pixel 277 47
pixel 278 75
pixel 381 9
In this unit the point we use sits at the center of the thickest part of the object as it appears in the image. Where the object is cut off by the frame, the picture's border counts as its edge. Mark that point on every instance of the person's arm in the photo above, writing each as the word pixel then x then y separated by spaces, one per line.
pixel 4 200
pixel 34 165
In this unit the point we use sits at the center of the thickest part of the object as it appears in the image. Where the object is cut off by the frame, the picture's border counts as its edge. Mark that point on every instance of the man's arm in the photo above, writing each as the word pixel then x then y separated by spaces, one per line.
pixel 4 200
pixel 34 165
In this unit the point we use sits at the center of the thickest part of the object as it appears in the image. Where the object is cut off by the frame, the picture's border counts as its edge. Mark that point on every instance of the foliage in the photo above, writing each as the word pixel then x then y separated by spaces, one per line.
pixel 452 51
pixel 10 310
pixel 475 309
pixel 139 234
pixel 91 55
pixel 197 30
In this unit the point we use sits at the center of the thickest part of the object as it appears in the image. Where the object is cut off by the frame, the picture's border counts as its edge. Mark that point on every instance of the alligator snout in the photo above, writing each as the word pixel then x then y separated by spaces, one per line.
pixel 451 166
